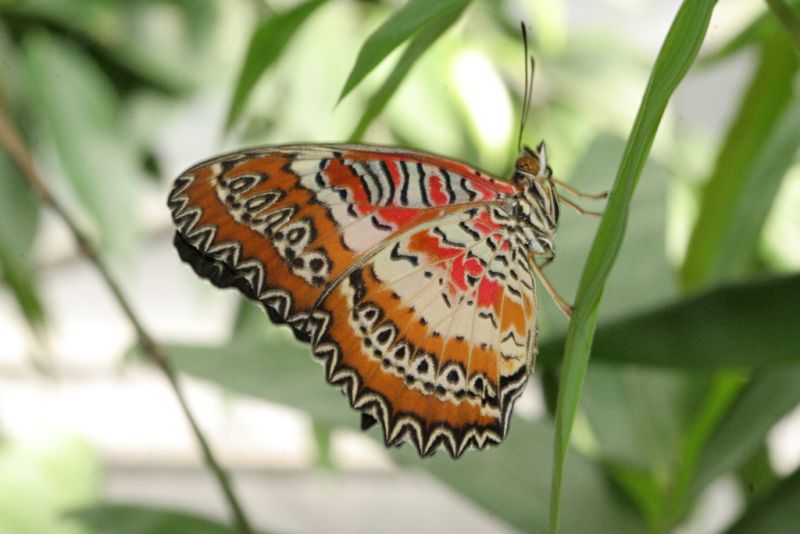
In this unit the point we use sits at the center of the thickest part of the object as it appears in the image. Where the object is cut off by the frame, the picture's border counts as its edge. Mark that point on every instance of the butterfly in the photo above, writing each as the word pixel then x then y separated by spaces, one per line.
pixel 411 275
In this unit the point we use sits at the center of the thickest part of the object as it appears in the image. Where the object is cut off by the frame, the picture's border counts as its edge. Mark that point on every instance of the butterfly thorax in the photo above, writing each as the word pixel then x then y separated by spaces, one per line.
pixel 535 206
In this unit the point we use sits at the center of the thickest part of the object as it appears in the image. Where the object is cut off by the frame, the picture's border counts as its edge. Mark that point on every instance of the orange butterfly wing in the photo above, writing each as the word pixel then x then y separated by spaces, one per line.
pixel 403 270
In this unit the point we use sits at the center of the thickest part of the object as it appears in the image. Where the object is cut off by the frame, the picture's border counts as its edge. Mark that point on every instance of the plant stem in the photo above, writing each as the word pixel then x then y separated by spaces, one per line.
pixel 16 148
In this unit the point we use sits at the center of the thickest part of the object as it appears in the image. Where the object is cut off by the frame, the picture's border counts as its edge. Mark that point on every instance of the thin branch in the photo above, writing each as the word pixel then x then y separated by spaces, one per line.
pixel 16 148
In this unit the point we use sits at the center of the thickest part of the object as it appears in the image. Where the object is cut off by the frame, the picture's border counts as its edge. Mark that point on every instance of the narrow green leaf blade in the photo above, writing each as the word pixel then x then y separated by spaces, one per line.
pixel 759 147
pixel 676 56
pixel 267 44
pixel 404 23
pixel 769 395
pixel 426 36
pixel 747 325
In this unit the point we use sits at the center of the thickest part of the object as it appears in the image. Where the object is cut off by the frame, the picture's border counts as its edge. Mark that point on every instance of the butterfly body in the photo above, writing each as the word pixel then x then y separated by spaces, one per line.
pixel 410 275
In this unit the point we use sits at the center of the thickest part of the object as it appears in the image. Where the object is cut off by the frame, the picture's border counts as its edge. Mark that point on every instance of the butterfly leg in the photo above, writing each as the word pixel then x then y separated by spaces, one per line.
pixel 579 194
pixel 579 209
pixel 548 259
pixel 558 299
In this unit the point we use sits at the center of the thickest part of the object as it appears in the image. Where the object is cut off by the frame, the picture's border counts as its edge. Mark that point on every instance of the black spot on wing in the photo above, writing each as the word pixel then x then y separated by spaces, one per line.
pixel 423 186
pixel 389 181
pixel 465 187
pixel 380 225
pixel 474 234
pixel 451 195
pixel 397 256
pixel 438 231
pixel 404 187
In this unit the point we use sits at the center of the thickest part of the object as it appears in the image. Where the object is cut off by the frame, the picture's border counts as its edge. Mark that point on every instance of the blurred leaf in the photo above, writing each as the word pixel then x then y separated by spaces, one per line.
pixel 758 150
pixel 641 487
pixel 771 394
pixel 412 18
pixel 759 31
pixel 322 439
pixel 426 36
pixel 267 43
pixel 721 393
pixel 137 519
pixel 676 56
pixel 776 513
pixel 18 225
pixel 511 480
pixel 754 33
pixel 754 324
pixel 756 474
pixel 109 30
pixel 788 17
pixel 81 113
pixel 201 16
pixel 40 479
pixel 272 366
pixel 638 416
pixel 250 319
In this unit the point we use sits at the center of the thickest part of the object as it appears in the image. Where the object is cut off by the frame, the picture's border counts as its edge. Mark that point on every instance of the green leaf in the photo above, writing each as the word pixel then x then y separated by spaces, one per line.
pixel 770 394
pixel 676 56
pixel 267 44
pixel 270 365
pixel 640 419
pixel 747 325
pixel 788 17
pixel 756 32
pixel 405 22
pixel 250 319
pixel 18 226
pixel 416 48
pixel 638 415
pixel 113 34
pixel 511 480
pixel 721 393
pixel 756 475
pixel 759 148
pixel 81 114
pixel 137 519
pixel 776 513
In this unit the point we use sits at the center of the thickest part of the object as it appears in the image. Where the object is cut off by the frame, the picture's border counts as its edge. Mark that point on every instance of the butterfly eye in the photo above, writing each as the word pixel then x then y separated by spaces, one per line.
pixel 528 165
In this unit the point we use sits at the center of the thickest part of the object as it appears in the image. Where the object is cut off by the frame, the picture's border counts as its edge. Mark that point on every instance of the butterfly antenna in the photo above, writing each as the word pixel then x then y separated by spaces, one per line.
pixel 526 97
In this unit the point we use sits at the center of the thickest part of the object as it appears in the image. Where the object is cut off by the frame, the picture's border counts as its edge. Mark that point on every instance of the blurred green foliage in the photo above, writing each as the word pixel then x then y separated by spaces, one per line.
pixel 43 476
pixel 697 353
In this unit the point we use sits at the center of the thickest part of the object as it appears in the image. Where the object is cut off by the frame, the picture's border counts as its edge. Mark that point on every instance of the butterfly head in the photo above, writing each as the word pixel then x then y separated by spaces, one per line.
pixel 536 205
pixel 531 165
